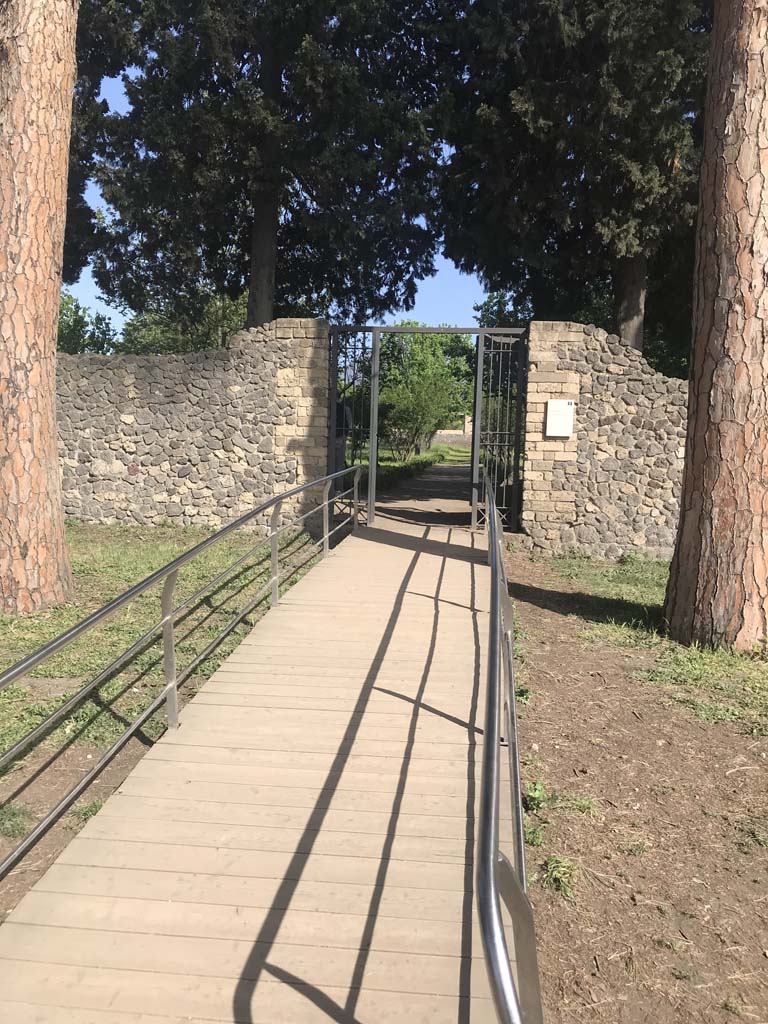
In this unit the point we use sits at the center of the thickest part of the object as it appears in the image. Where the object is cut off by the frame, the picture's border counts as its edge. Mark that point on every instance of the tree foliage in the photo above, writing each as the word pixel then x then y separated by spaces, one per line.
pixel 80 330
pixel 166 331
pixel 105 45
pixel 325 104
pixel 575 131
pixel 426 383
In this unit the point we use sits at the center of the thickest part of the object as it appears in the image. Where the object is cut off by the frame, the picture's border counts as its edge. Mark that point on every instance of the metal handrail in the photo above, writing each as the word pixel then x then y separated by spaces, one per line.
pixel 517 1000
pixel 166 625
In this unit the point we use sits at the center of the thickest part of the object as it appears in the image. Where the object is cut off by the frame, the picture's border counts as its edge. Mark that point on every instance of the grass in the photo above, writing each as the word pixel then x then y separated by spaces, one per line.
pixel 106 560
pixel 717 686
pixel 673 945
pixel 560 875
pixel 538 798
pixel 14 821
pixel 635 849
pixel 754 831
pixel 86 811
pixel 533 834
pixel 623 601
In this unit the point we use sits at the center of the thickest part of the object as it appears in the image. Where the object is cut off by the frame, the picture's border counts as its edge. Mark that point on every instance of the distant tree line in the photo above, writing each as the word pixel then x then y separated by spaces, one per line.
pixel 313 158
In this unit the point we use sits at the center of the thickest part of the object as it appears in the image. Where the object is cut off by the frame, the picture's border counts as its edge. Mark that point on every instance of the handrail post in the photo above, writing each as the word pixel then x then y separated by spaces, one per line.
pixel 477 470
pixel 373 433
pixel 169 651
pixel 274 561
pixel 489 534
pixel 356 499
pixel 327 518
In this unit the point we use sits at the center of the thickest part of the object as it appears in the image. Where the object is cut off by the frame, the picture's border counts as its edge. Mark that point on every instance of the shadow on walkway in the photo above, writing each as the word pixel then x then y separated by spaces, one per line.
pixel 437 497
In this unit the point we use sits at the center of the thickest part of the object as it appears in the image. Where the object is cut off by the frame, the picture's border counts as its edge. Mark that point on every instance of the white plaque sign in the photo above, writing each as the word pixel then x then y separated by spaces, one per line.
pixel 559 421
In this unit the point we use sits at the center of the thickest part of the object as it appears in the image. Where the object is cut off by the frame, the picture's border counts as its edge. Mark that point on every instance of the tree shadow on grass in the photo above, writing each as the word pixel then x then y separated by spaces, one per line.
pixel 592 607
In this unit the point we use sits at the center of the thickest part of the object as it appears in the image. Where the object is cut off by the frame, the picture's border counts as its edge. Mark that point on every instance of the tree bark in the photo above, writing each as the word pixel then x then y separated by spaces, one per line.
pixel 717 593
pixel 266 205
pixel 37 76
pixel 630 277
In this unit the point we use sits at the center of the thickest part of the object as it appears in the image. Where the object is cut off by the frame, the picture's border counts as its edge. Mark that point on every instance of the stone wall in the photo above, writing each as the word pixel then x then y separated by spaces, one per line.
pixel 196 438
pixel 612 486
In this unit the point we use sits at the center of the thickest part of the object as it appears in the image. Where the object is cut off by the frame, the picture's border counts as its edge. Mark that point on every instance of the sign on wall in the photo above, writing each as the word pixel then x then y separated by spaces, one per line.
pixel 559 421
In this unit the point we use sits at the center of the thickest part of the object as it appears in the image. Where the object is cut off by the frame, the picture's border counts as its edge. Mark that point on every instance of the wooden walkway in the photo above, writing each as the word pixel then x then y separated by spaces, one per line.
pixel 301 849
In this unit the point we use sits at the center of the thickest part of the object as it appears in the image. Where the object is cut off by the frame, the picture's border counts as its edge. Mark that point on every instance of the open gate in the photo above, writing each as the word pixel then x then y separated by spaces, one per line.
pixel 500 373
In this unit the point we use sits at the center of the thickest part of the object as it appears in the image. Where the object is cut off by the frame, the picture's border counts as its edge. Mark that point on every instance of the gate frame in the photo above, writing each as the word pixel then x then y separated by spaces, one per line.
pixel 376 331
pixel 517 336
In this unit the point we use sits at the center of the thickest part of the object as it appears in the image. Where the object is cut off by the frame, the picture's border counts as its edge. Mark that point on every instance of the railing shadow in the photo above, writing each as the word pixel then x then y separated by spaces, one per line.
pixel 443 549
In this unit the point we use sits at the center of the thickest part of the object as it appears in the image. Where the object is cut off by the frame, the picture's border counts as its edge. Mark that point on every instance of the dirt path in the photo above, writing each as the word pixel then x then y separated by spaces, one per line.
pixel 663 817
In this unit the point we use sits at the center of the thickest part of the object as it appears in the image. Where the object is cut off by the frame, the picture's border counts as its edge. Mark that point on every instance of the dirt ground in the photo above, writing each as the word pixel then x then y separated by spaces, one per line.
pixel 668 920
pixel 37 783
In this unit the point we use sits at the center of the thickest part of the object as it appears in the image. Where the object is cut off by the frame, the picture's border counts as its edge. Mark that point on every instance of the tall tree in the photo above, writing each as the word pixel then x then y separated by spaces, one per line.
pixel 718 585
pixel 37 44
pixel 277 147
pixel 573 133
pixel 105 44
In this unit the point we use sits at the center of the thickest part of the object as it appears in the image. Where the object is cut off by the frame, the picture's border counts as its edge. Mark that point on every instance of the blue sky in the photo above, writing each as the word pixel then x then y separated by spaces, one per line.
pixel 446 298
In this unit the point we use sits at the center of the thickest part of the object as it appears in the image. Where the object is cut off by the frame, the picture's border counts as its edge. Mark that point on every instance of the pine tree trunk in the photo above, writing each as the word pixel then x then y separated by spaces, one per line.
pixel 266 205
pixel 718 586
pixel 37 75
pixel 630 277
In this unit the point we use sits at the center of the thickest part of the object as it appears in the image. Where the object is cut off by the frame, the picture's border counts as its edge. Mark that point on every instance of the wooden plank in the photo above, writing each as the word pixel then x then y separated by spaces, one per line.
pixel 309 743
pixel 322 761
pixel 376 703
pixel 315 867
pixel 278 840
pixel 161 917
pixel 164 808
pixel 230 890
pixel 323 965
pixel 305 778
pixel 213 999
pixel 282 797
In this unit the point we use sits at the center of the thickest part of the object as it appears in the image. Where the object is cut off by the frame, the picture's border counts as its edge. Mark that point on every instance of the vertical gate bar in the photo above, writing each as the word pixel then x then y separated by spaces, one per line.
pixel 274 560
pixel 355 395
pixel 497 431
pixel 477 412
pixel 333 398
pixel 508 369
pixel 373 440
pixel 490 479
pixel 522 365
pixel 169 651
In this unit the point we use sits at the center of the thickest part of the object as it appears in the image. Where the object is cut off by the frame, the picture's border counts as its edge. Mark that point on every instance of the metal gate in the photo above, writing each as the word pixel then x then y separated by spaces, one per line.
pixel 498 425
pixel 498 412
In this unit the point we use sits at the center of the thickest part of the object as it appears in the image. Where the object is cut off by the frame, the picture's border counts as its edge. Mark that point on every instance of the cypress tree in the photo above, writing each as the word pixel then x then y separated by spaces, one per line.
pixel 574 128
pixel 282 148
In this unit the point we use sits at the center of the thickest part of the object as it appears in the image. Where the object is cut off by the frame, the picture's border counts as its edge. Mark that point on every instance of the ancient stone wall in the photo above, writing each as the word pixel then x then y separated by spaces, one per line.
pixel 613 485
pixel 196 438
